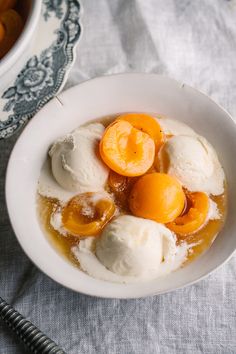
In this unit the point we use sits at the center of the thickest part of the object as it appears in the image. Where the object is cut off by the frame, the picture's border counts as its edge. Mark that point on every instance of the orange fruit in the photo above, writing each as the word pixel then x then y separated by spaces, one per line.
pixel 146 124
pixel 127 150
pixel 157 196
pixel 13 25
pixel 2 32
pixel 121 186
pixel 195 216
pixel 86 214
pixel 7 4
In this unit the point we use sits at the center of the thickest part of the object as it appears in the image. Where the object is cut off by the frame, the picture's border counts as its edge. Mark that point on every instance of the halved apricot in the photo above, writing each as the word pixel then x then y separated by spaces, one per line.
pixel 117 183
pixel 2 32
pixel 195 216
pixel 86 214
pixel 146 124
pixel 7 4
pixel 127 150
pixel 13 25
pixel 157 196
pixel 121 186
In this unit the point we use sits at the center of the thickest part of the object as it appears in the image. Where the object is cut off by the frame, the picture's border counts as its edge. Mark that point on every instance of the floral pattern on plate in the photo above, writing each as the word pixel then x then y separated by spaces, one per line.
pixel 44 74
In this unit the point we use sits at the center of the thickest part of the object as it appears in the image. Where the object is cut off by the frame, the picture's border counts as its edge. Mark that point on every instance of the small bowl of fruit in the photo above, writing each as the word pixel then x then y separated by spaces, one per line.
pixel 18 24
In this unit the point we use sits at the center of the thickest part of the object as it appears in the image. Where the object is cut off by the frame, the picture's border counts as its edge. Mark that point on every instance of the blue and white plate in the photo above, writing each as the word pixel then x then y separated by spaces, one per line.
pixel 45 73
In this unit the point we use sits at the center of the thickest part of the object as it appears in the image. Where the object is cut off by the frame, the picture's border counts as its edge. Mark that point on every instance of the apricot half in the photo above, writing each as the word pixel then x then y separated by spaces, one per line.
pixel 2 32
pixel 147 124
pixel 13 24
pixel 7 4
pixel 86 214
pixel 121 186
pixel 127 150
pixel 157 196
pixel 195 216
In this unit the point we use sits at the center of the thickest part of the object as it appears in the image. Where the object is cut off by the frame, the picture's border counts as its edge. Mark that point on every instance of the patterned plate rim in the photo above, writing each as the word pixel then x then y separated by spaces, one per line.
pixel 24 102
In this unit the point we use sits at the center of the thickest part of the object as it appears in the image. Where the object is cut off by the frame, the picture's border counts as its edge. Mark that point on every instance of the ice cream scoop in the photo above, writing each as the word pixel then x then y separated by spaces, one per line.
pixel 130 250
pixel 175 127
pixel 132 246
pixel 75 161
pixel 193 161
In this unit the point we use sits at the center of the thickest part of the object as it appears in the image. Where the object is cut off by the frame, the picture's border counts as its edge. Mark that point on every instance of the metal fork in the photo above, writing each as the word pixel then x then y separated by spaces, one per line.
pixel 31 336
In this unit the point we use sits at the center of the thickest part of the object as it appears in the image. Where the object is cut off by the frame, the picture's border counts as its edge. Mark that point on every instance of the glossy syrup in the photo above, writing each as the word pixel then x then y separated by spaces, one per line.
pixel 200 240
pixel 63 244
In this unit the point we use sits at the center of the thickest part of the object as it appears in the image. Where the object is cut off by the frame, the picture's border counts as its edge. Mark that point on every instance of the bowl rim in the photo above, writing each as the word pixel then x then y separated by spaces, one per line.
pixel 102 294
pixel 18 48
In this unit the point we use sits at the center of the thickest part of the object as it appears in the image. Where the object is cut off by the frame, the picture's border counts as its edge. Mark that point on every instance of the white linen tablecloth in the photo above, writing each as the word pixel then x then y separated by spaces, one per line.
pixel 193 41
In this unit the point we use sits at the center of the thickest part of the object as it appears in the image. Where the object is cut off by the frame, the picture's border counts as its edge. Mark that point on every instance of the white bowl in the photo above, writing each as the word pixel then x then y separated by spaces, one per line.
pixel 96 98
pixel 13 61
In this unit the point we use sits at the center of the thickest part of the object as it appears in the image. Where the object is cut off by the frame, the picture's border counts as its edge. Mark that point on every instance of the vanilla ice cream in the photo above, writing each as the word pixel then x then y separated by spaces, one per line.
pixel 131 245
pixel 193 161
pixel 76 165
pixel 48 186
pixel 175 127
pixel 131 248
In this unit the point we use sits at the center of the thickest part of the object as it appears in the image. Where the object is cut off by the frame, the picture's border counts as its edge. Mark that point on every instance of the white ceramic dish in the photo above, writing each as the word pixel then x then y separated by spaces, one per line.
pixel 93 99
pixel 17 55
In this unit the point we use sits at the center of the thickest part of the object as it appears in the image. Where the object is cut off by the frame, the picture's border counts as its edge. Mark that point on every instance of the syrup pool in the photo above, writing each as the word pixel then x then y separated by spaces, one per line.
pixel 200 240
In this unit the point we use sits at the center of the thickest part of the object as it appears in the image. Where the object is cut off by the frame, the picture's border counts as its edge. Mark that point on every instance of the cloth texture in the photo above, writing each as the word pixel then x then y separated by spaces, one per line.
pixel 193 41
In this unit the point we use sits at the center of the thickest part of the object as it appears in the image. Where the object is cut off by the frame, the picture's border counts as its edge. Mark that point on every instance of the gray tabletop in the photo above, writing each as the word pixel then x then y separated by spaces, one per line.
pixel 193 41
